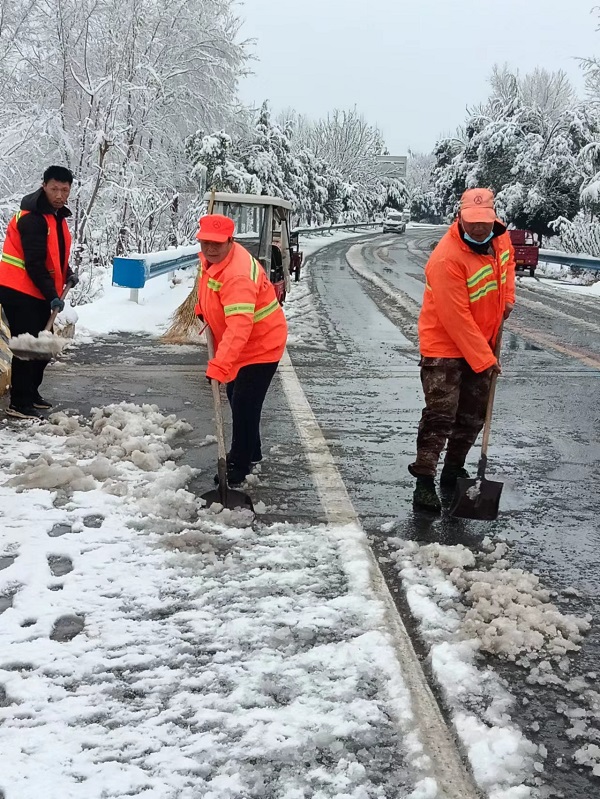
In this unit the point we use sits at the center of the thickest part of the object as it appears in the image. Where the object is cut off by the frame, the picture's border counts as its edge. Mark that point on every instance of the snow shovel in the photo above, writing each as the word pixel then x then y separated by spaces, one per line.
pixel 42 348
pixel 225 496
pixel 479 498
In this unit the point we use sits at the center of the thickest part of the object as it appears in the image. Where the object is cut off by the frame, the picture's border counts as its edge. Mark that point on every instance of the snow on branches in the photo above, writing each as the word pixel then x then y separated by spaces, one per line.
pixel 111 89
pixel 527 142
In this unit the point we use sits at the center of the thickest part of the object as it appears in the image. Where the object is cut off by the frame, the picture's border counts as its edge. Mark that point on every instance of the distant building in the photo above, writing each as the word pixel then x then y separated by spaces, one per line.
pixel 393 166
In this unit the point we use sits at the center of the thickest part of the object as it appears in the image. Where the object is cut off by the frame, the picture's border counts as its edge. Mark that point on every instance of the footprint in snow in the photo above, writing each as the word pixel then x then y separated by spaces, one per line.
pixel 6 561
pixel 59 529
pixel 59 565
pixel 95 520
pixel 6 602
pixel 67 627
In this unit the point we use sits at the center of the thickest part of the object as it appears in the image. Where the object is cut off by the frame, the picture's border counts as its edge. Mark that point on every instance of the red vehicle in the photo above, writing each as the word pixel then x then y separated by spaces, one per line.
pixel 527 249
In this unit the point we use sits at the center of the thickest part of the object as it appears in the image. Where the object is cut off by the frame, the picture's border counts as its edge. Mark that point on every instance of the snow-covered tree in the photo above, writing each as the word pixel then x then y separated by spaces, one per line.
pixel 525 143
pixel 420 189
pixel 112 88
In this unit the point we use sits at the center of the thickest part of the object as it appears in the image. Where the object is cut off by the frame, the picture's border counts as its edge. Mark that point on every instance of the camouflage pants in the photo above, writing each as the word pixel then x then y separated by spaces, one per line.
pixel 455 404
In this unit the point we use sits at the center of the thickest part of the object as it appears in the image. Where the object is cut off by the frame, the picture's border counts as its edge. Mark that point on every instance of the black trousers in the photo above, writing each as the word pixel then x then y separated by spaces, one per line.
pixel 246 396
pixel 24 314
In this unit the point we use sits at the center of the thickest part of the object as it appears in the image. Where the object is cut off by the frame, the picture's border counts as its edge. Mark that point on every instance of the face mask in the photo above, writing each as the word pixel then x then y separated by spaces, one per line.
pixel 474 241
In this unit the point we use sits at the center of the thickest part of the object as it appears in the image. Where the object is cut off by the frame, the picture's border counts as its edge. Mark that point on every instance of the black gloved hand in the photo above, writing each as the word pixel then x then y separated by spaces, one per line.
pixel 73 280
pixel 57 305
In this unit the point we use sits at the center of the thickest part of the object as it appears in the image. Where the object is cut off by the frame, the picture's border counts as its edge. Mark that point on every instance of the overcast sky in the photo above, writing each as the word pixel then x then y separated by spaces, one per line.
pixel 411 67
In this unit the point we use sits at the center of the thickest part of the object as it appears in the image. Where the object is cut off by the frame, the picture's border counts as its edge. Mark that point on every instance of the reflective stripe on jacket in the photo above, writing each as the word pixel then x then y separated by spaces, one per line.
pixel 238 301
pixel 465 297
pixel 13 272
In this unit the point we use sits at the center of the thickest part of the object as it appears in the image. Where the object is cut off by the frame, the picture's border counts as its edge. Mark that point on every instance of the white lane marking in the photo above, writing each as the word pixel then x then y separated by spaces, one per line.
pixel 453 779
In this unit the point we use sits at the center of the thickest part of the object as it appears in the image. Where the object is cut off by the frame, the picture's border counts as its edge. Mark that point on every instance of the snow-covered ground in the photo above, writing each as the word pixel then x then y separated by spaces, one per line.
pixel 114 312
pixel 300 311
pixel 150 647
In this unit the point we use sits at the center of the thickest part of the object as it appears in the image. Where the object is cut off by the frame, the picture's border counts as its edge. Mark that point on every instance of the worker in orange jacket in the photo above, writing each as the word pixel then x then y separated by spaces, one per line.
pixel 34 269
pixel 237 300
pixel 469 290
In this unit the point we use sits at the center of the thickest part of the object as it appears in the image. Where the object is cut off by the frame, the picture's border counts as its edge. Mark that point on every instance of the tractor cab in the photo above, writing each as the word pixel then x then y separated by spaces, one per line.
pixel 262 226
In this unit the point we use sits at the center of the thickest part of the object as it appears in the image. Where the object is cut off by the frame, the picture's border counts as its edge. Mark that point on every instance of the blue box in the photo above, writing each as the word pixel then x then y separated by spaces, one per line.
pixel 129 273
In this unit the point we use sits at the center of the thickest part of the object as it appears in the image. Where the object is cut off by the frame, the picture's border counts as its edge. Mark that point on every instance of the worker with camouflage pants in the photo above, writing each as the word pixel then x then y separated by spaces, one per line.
pixel 469 290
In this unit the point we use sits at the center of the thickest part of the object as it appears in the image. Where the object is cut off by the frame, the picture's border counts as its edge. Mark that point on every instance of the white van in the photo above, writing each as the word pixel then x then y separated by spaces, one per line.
pixel 393 221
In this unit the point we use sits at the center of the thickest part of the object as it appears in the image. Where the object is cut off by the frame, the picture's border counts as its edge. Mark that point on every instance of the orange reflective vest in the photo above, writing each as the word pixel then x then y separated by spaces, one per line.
pixel 13 273
pixel 238 301
pixel 465 297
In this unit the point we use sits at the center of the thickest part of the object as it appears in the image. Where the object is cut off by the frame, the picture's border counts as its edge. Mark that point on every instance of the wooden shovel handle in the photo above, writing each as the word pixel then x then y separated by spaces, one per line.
pixel 54 314
pixel 219 424
pixel 490 404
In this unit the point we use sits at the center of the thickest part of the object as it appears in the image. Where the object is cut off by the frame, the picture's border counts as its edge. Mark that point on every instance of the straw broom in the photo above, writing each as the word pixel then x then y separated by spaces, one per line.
pixel 184 321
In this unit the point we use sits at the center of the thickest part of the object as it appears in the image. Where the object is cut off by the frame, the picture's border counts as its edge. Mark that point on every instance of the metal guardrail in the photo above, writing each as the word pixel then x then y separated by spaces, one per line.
pixel 573 261
pixel 132 271
pixel 307 231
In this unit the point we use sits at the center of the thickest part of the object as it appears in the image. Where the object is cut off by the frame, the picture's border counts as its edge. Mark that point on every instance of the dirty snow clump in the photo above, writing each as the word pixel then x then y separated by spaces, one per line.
pixel 118 439
pixel 44 344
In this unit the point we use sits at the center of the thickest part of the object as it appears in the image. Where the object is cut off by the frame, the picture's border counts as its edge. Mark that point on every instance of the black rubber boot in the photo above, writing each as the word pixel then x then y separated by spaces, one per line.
pixel 235 475
pixel 425 495
pixel 450 474
pixel 23 412
pixel 41 404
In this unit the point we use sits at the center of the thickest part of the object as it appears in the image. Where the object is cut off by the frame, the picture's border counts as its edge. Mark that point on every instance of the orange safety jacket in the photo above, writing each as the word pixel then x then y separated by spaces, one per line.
pixel 13 273
pixel 465 298
pixel 238 301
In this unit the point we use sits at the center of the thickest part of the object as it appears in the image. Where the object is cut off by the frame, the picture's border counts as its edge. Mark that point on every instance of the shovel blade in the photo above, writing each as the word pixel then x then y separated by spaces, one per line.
pixel 234 500
pixel 476 499
pixel 28 355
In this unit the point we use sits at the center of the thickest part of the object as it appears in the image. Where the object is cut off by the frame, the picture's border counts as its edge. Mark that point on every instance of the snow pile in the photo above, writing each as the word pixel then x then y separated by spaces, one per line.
pixel 508 612
pixel 466 605
pixel 140 435
pixel 64 324
pixel 589 755
pixel 150 648
pixel 44 344
pixel 109 453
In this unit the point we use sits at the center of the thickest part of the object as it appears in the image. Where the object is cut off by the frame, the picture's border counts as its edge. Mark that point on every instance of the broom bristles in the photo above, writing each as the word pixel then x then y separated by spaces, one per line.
pixel 184 321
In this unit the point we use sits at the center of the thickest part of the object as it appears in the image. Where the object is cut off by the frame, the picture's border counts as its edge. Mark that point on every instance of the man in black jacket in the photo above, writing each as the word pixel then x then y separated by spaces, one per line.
pixel 33 273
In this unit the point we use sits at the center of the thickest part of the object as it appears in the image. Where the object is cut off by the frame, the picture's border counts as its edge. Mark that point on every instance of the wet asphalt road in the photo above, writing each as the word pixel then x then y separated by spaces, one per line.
pixel 360 375
pixel 365 392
